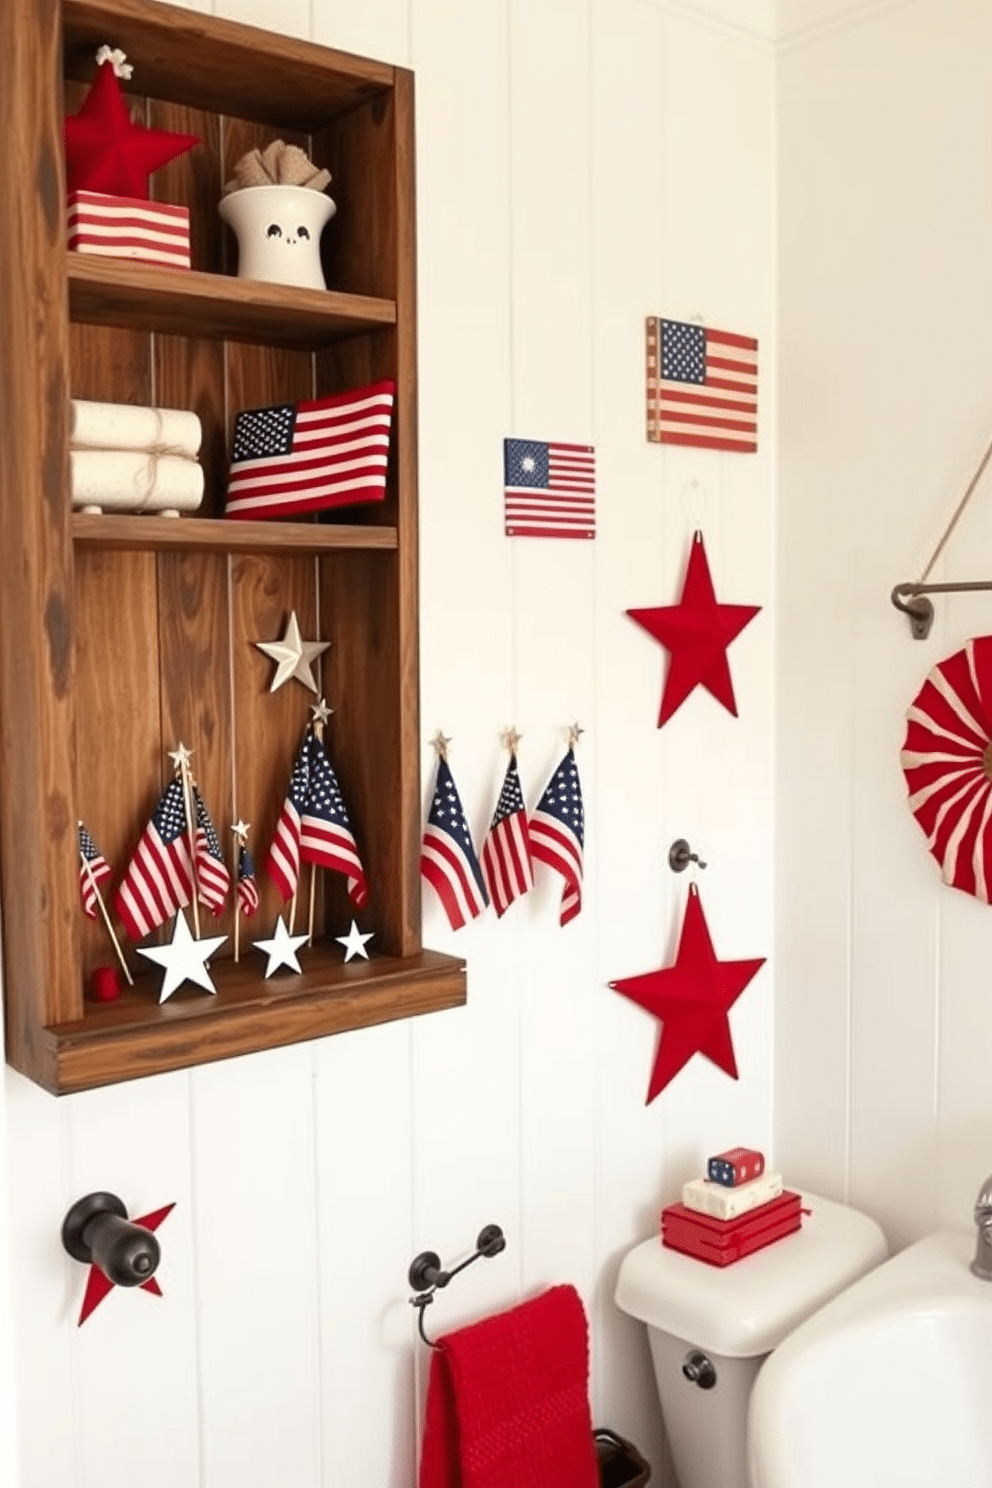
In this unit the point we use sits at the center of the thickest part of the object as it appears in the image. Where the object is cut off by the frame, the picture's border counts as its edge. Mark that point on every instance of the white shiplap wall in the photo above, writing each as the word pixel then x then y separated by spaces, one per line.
pixel 883 999
pixel 581 163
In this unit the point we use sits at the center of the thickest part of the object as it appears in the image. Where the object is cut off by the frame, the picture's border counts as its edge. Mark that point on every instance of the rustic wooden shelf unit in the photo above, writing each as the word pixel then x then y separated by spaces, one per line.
pixel 121 636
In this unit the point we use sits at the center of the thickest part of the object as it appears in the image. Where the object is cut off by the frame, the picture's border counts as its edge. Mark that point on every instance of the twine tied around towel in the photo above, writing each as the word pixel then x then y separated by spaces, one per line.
pixel 278 164
pixel 156 451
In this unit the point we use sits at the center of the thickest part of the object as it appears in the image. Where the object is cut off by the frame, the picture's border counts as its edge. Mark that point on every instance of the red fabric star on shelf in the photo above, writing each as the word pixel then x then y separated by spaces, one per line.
pixel 99 1285
pixel 105 151
pixel 692 999
pixel 696 632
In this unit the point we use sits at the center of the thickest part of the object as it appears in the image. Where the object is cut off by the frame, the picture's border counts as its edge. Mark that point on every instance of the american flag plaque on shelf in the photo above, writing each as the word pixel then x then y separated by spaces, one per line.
pixel 702 386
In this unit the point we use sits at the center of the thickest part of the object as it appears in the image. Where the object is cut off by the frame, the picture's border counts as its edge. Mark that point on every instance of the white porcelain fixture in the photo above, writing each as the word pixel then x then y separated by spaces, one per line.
pixel 888 1386
pixel 711 1328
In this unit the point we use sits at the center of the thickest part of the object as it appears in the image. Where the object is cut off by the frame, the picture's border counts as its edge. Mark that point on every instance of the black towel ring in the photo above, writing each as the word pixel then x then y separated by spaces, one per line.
pixel 426 1274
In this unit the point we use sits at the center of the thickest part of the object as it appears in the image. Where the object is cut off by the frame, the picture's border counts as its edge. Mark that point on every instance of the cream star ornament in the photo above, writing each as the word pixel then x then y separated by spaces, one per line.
pixel 281 949
pixel 574 732
pixel 241 830
pixel 184 959
pixel 440 743
pixel 354 942
pixel 321 712
pixel 180 758
pixel 511 738
pixel 293 656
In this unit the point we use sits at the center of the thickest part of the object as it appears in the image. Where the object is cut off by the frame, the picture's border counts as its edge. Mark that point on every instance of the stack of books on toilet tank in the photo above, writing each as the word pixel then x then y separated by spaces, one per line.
pixel 736 1209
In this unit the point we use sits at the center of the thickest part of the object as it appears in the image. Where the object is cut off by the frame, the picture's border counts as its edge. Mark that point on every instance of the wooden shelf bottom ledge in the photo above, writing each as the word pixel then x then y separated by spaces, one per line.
pixel 134 1036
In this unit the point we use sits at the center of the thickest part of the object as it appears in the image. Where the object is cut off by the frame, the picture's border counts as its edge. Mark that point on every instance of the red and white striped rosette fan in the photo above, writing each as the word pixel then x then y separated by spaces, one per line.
pixel 947 761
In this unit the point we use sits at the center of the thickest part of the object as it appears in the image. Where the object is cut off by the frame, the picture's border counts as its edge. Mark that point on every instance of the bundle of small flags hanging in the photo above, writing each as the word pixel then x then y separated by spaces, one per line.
pixel 506 861
pixel 314 826
pixel 557 829
pixel 93 871
pixel 447 856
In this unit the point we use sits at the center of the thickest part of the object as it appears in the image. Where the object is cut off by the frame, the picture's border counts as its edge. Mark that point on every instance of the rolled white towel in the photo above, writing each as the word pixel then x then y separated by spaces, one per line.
pixel 135 480
pixel 125 426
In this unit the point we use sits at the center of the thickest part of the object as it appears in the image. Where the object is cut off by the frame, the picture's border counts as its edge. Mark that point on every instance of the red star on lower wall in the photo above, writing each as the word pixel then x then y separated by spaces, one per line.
pixel 696 633
pixel 692 999
pixel 99 1285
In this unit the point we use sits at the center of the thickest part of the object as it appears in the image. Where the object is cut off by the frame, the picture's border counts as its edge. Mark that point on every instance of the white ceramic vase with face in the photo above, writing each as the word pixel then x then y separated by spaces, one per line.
pixel 278 230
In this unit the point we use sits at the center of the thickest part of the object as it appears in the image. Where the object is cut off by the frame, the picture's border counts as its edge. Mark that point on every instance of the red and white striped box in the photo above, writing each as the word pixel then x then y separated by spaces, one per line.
pixel 739 1165
pixel 126 227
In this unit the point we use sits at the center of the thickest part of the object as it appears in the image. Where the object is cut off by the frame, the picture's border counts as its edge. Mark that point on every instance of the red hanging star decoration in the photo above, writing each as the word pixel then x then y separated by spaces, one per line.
pixel 105 151
pixel 696 632
pixel 98 1284
pixel 692 999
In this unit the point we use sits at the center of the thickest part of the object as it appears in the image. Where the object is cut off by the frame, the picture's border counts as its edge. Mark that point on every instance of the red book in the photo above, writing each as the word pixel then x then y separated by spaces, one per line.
pixel 722 1241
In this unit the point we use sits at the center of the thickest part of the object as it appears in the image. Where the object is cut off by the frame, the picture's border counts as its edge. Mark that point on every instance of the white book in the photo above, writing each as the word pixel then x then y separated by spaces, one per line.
pixel 721 1202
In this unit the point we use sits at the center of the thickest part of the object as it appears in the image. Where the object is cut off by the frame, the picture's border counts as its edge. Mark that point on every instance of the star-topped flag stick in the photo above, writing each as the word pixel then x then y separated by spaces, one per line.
pixel 104 150
pixel 246 894
pixel 93 869
pixel 557 828
pixel 692 999
pixel 696 633
pixel 321 713
pixel 180 758
pixel 506 860
pixel 447 855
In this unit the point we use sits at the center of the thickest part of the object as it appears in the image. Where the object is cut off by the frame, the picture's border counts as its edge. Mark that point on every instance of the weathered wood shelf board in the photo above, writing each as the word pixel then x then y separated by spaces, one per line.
pixel 137 1036
pixel 123 635
pixel 114 292
pixel 203 534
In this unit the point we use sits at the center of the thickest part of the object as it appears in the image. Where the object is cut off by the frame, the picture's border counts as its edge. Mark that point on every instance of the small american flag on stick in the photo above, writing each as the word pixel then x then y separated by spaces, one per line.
pixel 447 856
pixel 158 880
pixel 550 489
pixel 247 887
pixel 93 871
pixel 212 877
pixel 283 863
pixel 506 864
pixel 557 833
pixel 304 457
pixel 326 837
pixel 702 386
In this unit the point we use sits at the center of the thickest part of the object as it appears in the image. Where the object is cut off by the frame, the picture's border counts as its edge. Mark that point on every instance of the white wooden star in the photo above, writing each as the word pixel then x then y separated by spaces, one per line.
pixel 281 949
pixel 241 830
pixel 321 712
pixel 354 942
pixel 293 655
pixel 184 959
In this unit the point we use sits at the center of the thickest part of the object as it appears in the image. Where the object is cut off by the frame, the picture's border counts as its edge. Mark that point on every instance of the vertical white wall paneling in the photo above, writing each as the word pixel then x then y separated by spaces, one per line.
pixel 256 1269
pixel 553 621
pixel 365 1244
pixel 885 130
pixel 137 1350
pixel 629 805
pixel 465 1120
pixel 8 1386
pixel 290 17
pixel 381 30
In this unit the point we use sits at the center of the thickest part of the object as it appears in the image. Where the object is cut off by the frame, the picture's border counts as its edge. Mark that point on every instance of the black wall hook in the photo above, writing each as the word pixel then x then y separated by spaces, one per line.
pixel 427 1276
pixel 680 856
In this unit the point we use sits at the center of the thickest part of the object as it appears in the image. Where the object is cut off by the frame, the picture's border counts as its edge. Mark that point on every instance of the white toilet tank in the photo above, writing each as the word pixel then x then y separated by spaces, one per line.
pixel 710 1328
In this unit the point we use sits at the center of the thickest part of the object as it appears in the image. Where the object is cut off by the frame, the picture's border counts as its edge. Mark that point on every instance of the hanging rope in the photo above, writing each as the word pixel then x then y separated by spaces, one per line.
pixel 958 512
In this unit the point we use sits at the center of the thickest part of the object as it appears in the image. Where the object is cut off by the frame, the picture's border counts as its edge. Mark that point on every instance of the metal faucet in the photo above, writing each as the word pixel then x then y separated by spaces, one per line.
pixel 982 1264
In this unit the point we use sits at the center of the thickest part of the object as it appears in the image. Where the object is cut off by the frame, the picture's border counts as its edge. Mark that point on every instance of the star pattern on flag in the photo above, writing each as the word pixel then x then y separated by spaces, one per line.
pixel 354 942
pixel 99 1284
pixel 293 656
pixel 692 999
pixel 696 633
pixel 184 959
pixel 281 949
pixel 106 152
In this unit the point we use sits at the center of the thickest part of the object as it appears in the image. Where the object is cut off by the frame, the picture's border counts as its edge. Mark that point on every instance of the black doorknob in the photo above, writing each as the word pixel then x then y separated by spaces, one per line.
pixel 97 1231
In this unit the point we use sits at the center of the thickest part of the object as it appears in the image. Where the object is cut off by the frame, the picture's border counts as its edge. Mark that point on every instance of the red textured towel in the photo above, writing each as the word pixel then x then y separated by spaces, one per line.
pixel 508 1401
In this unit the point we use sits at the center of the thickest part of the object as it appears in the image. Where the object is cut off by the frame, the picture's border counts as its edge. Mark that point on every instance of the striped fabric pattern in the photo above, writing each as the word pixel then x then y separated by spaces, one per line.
pixel 125 227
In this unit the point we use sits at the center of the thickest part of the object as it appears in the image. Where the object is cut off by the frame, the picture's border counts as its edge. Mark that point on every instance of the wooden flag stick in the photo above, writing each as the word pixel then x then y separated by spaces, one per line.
pixel 313 887
pixel 106 918
pixel 237 901
pixel 321 713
